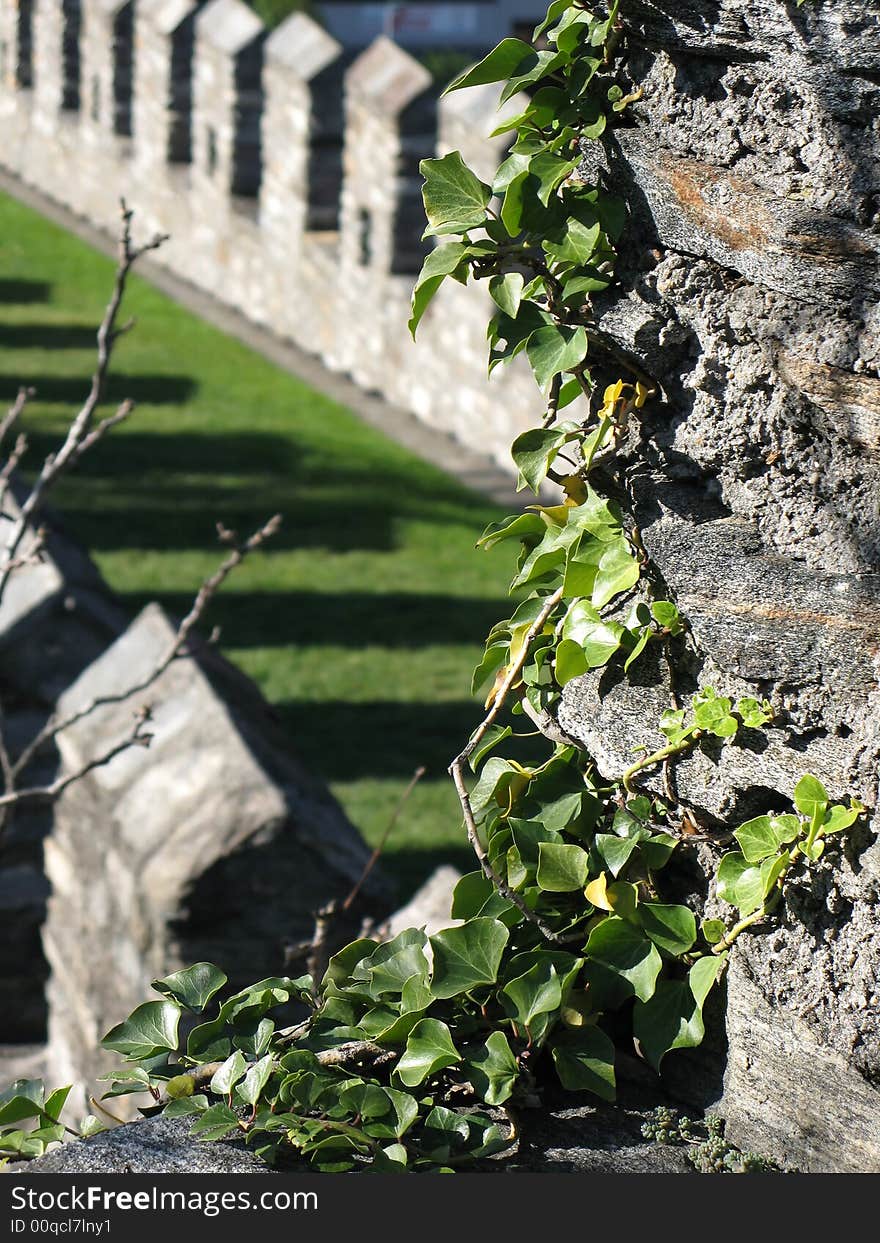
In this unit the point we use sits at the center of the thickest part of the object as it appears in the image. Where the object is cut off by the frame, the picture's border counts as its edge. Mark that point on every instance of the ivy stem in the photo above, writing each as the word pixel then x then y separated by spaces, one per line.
pixel 106 1112
pixel 456 770
pixel 749 921
pixel 665 753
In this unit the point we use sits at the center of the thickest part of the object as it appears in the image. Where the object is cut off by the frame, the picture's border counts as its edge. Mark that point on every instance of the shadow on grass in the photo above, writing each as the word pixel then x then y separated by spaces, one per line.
pixel 353 619
pixel 72 390
pixel 21 292
pixel 344 741
pixel 48 337
pixel 138 490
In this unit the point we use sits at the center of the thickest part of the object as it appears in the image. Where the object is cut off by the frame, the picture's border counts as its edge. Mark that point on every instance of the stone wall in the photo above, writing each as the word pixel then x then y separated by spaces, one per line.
pixel 285 171
pixel 751 262
pixel 212 845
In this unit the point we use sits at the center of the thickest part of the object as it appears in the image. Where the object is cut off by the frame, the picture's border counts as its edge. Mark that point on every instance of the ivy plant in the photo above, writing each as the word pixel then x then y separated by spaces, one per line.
pixel 417 1053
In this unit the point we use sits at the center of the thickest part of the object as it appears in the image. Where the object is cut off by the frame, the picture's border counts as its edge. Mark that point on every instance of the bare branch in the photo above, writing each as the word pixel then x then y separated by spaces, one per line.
pixel 176 648
pixel 49 793
pixel 80 433
pixel 9 468
pixel 14 413
pixel 23 545
pixel 374 857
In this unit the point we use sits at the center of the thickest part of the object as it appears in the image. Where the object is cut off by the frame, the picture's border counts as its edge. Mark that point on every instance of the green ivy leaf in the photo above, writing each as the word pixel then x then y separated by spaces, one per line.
pixel 533 452
pixel 810 795
pixel 23 1099
pixel 577 243
pixel 547 171
pixel 553 349
pixel 225 1079
pixel 535 67
pixel 554 12
pixel 209 1042
pixel 506 292
pixel 562 868
pixel 640 645
pixel 673 1017
pixel 665 614
pixel 467 956
pixel 185 1107
pixel 518 526
pixel 615 851
pixel 838 818
pixel 712 714
pixel 149 1030
pixel 90 1125
pixel 655 850
pixel 587 279
pixel 754 713
pixel 584 1060
pixel 194 987
pixel 493 1070
pixel 499 65
pixel 739 883
pixel 671 928
pixel 342 964
pixel 494 735
pixel 56 1102
pixel 256 1079
pixel 618 572
pixel 428 1050
pixel 762 836
pixel 455 198
pixel 623 949
pixel 470 895
pixel 442 262
pixel 391 973
pixel 747 885
pixel 597 640
pixel 538 991
pixel 713 930
pixel 404 1110
pixel 215 1123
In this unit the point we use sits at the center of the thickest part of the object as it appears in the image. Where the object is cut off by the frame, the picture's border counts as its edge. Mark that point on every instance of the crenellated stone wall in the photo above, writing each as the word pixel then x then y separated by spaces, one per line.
pixel 285 171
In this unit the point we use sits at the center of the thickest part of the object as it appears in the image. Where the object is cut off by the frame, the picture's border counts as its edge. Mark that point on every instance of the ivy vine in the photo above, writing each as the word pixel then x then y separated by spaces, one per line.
pixel 417 1053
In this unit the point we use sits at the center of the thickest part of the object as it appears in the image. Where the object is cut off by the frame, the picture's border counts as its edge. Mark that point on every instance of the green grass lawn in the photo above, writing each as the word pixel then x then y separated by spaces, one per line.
pixel 362 623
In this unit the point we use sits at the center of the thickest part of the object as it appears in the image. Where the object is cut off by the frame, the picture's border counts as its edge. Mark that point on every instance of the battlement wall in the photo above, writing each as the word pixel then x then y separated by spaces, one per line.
pixel 285 170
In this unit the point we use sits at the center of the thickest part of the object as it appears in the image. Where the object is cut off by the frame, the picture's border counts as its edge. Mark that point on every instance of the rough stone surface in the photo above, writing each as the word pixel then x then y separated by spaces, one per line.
pixel 580 1140
pixel 752 268
pixel 152 1146
pixel 215 845
pixel 55 618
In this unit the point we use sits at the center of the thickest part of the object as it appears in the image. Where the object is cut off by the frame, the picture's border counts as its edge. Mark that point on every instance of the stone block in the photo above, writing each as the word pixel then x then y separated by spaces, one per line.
pixel 213 845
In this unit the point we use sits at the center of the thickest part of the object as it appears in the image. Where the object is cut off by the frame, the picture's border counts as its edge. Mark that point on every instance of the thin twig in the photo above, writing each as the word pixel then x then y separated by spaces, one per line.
pixel 209 588
pixel 105 1111
pixel 14 413
pixel 9 468
pixel 374 857
pixel 138 737
pixel 81 430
